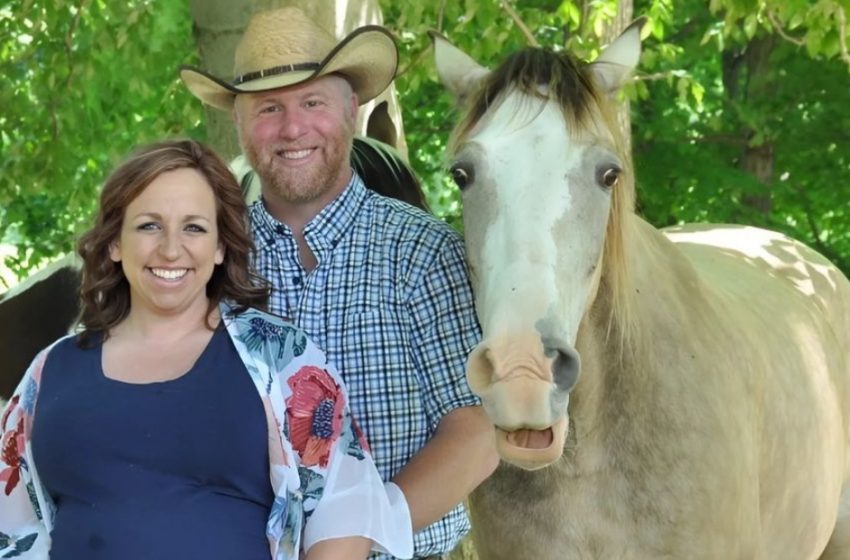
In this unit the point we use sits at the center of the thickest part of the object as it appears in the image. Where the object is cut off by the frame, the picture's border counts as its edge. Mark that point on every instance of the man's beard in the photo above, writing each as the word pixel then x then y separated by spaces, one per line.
pixel 299 184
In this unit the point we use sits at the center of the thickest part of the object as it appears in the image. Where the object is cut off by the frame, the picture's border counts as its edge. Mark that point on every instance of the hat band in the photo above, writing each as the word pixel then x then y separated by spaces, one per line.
pixel 250 76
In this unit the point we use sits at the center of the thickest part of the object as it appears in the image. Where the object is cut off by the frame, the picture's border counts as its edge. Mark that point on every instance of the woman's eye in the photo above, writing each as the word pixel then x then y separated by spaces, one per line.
pixel 147 226
pixel 195 228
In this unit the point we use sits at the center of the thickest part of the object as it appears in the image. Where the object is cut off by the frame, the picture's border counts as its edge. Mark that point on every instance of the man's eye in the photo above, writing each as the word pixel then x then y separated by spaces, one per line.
pixel 270 109
pixel 313 103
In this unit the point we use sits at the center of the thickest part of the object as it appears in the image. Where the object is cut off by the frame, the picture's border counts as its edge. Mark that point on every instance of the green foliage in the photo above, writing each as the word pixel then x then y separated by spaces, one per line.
pixel 729 92
pixel 701 101
pixel 85 81
pixel 718 84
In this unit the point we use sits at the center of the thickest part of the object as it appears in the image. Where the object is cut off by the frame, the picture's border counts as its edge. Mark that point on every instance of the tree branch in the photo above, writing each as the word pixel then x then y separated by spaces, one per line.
pixel 441 12
pixel 842 33
pixel 69 42
pixel 529 36
pixel 818 244
pixel 778 28
pixel 414 61
pixel 660 76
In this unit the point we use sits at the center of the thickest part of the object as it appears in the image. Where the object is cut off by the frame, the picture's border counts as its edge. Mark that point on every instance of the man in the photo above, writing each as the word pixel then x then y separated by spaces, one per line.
pixel 381 286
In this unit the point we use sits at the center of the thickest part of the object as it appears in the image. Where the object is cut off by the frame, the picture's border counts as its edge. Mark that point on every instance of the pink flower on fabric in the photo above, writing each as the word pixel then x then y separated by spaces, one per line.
pixel 315 412
pixel 11 448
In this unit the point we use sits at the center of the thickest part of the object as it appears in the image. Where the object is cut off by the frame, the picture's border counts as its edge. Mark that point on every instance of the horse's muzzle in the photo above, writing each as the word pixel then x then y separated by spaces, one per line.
pixel 524 388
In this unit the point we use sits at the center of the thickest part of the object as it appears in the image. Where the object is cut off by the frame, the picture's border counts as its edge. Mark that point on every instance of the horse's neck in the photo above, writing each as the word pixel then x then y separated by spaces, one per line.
pixel 615 390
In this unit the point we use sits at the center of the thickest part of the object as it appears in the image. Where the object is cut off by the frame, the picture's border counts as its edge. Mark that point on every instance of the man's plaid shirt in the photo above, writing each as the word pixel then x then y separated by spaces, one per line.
pixel 391 305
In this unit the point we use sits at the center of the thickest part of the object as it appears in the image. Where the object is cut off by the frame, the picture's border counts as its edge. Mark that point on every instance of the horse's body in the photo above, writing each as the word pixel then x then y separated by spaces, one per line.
pixel 681 394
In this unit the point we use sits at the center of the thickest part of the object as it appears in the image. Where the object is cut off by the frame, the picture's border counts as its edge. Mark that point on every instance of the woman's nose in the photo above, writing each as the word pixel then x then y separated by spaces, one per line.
pixel 170 246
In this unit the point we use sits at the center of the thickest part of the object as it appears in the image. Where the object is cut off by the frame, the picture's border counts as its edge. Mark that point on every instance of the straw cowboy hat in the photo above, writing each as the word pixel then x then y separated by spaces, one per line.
pixel 284 47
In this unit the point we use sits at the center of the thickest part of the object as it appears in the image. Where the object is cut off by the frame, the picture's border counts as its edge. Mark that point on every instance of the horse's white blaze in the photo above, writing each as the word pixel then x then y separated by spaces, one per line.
pixel 538 210
pixel 535 252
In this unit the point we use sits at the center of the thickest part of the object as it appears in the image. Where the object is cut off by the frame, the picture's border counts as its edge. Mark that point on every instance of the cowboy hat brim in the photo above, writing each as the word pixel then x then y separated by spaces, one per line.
pixel 367 58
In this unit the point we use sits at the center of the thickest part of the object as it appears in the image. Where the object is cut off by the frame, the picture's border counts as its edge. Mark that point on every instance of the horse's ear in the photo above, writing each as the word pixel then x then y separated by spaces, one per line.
pixel 619 59
pixel 457 70
pixel 247 177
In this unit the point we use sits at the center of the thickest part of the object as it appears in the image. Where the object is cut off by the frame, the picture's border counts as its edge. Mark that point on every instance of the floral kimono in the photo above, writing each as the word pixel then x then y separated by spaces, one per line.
pixel 322 475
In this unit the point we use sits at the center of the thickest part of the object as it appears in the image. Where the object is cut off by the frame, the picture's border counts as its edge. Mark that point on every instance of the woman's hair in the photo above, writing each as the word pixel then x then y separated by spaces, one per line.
pixel 105 292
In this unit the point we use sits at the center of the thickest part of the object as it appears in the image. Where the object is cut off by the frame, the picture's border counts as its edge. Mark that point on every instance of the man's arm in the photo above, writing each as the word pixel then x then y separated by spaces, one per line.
pixel 458 458
pixel 338 549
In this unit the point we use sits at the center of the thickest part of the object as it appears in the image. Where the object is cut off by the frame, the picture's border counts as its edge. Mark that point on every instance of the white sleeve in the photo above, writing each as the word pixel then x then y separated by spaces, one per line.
pixel 22 533
pixel 355 502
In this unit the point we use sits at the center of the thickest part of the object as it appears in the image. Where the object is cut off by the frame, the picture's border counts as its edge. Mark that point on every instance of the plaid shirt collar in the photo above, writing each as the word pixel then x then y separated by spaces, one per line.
pixel 324 232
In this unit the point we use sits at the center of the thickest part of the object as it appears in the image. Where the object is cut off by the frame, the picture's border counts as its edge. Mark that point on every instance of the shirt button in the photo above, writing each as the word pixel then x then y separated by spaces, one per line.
pixel 296 280
pixel 280 230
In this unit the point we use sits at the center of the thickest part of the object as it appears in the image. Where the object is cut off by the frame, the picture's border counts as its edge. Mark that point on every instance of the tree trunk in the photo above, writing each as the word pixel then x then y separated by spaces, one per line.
pixel 219 24
pixel 747 79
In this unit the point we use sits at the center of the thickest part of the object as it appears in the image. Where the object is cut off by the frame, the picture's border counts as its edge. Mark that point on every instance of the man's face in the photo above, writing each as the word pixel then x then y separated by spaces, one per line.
pixel 298 139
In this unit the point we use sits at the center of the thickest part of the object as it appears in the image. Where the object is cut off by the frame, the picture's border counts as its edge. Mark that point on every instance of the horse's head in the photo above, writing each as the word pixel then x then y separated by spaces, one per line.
pixel 540 160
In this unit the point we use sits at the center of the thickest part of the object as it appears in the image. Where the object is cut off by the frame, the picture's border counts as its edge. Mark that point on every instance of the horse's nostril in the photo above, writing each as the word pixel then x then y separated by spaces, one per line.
pixel 479 370
pixel 565 368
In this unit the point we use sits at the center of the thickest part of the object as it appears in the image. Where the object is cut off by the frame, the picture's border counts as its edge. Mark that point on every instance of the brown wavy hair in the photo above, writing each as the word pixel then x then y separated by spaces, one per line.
pixel 104 290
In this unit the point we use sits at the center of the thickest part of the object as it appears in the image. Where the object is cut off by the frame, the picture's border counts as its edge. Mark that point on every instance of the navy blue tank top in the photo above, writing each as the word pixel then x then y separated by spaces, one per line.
pixel 174 469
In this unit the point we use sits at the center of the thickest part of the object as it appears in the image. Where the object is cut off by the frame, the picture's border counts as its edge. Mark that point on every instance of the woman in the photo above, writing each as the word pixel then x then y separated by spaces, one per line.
pixel 182 422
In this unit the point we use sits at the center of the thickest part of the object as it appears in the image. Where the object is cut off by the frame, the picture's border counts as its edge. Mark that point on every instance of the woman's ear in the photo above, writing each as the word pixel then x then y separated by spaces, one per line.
pixel 219 254
pixel 115 251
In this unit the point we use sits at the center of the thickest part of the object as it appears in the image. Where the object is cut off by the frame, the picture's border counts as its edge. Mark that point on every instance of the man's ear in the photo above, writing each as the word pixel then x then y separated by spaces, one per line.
pixel 355 104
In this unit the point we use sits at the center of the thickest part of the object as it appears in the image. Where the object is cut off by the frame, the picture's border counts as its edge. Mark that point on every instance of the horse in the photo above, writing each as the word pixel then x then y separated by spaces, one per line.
pixel 657 394
pixel 45 305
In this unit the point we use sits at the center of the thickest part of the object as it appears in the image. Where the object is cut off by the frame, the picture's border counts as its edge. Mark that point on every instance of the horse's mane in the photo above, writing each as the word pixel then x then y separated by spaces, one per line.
pixel 558 76
pixel 384 170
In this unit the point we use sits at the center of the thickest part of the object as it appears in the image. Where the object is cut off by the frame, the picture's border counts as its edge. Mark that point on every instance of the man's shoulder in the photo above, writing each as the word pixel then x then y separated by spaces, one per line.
pixel 403 219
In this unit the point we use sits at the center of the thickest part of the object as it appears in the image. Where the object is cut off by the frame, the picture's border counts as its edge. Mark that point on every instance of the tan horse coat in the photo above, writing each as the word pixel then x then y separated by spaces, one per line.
pixel 708 407
pixel 724 437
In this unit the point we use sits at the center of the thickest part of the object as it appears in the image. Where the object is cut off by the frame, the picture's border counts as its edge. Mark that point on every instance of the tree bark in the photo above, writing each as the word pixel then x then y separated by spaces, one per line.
pixel 747 79
pixel 219 24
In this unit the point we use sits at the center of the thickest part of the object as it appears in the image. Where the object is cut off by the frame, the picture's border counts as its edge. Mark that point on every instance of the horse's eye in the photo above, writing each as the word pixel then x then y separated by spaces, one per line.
pixel 608 177
pixel 462 174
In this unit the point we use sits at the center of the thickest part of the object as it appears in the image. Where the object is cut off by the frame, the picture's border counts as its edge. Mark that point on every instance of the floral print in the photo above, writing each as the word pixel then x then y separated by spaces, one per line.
pixel 288 341
pixel 11 448
pixel 12 547
pixel 310 430
pixel 315 414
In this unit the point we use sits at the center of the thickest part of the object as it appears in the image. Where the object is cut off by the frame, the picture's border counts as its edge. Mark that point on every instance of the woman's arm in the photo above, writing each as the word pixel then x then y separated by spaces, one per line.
pixel 348 548
pixel 23 533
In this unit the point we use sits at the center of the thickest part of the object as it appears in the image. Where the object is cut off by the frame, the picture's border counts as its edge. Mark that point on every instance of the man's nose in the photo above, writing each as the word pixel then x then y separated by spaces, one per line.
pixel 294 124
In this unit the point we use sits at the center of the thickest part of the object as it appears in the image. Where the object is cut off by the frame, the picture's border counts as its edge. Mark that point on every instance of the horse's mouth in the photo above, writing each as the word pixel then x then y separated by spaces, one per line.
pixel 530 439
pixel 532 449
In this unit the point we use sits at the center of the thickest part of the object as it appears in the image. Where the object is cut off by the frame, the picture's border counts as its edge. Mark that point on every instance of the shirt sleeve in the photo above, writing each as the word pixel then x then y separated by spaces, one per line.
pixel 336 467
pixel 445 330
pixel 23 534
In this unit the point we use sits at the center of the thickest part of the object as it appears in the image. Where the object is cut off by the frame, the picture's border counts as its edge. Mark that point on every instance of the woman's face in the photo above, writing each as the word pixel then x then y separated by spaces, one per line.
pixel 168 245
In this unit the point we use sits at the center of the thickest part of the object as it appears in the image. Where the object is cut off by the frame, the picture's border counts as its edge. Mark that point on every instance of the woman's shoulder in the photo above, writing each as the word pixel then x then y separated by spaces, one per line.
pixel 248 316
pixel 61 346
pixel 260 332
